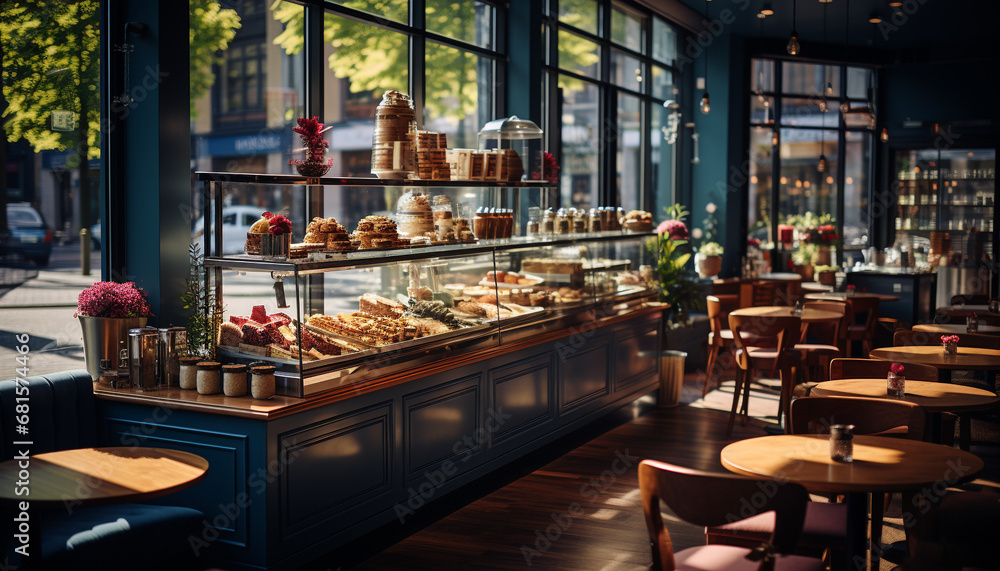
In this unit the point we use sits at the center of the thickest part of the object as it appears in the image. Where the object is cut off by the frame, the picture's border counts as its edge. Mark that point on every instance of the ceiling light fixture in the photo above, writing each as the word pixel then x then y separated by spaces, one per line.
pixel 885 135
pixel 767 10
pixel 874 18
pixel 793 46
pixel 895 3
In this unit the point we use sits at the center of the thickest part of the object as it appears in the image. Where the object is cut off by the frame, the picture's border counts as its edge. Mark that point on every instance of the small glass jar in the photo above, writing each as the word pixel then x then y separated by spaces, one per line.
pixel 209 378
pixel 841 442
pixel 950 348
pixel 262 381
pixel 549 222
pixel 895 385
pixel 534 218
pixel 480 223
pixel 972 324
pixel 234 380
pixel 188 374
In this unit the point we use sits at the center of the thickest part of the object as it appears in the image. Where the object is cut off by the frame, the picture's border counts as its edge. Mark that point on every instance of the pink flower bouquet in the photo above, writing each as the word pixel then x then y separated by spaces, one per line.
pixel 112 299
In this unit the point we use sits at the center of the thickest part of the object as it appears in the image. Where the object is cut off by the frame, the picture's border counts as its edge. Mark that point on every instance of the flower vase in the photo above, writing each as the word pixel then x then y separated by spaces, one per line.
pixel 823 256
pixel 709 266
pixel 275 246
pixel 105 339
pixel 314 165
pixel 895 385
pixel 950 348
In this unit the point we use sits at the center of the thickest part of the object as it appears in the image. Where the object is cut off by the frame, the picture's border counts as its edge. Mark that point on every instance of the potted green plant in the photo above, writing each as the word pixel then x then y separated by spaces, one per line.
pixel 107 310
pixel 826 275
pixel 206 310
pixel 677 288
pixel 709 259
pixel 803 259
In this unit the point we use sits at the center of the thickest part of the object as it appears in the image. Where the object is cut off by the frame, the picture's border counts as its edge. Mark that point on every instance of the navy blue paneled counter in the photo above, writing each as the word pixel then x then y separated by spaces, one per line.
pixel 916 291
pixel 291 479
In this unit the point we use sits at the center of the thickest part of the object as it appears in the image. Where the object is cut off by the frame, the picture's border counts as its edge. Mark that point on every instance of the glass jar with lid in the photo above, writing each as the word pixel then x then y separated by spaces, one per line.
pixel 520 144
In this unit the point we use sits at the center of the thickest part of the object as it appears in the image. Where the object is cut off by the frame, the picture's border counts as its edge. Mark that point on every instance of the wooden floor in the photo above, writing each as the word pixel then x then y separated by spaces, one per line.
pixel 573 505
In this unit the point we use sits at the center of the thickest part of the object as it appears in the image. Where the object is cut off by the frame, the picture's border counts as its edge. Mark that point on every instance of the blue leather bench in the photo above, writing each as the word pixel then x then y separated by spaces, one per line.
pixel 62 416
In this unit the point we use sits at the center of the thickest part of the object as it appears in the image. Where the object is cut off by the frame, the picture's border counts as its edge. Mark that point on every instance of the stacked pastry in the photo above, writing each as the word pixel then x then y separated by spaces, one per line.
pixel 637 221
pixel 376 233
pixel 266 335
pixel 431 160
pixel 365 328
pixel 328 234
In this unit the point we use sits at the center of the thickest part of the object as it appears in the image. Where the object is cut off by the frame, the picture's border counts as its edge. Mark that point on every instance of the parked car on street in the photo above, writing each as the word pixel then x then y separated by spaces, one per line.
pixel 30 236
pixel 236 222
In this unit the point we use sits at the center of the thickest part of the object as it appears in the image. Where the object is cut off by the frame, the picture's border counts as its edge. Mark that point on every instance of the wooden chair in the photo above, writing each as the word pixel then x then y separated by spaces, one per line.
pixel 709 499
pixel 764 342
pixel 720 338
pixel 825 523
pixel 864 332
pixel 816 356
pixel 875 368
pixel 758 293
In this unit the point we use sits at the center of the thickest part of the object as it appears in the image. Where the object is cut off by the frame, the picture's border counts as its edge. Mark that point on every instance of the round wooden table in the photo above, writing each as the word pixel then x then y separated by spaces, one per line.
pixel 966 310
pixel 87 476
pixel 841 296
pixel 967 358
pixel 955 328
pixel 880 465
pixel 808 315
pixel 933 396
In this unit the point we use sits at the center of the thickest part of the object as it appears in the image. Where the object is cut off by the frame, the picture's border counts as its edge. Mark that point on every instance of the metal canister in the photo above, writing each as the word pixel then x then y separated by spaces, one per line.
pixel 142 344
pixel 171 344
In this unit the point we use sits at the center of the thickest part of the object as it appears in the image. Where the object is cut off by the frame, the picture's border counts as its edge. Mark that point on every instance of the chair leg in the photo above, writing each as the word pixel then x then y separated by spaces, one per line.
pixel 736 401
pixel 787 384
pixel 713 353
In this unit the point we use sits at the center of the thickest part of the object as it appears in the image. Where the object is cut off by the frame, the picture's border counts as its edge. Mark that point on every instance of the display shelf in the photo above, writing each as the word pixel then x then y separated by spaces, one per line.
pixel 294 179
pixel 363 258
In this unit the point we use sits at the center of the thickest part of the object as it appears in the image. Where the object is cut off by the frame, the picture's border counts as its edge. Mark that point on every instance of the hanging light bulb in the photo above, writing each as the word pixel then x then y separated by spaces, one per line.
pixel 829 89
pixel 885 135
pixel 821 167
pixel 822 105
pixel 793 44
pixel 767 10
pixel 705 107
pixel 874 18
pixel 774 138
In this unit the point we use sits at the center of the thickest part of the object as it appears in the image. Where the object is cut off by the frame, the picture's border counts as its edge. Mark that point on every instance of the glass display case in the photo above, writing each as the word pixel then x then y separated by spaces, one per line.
pixel 945 209
pixel 337 310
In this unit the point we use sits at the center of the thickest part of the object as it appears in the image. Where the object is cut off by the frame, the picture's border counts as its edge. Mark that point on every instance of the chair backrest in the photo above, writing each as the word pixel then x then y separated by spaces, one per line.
pixel 718 308
pixel 978 340
pixel 771 331
pixel 874 416
pixel 825 332
pixel 868 306
pixel 710 499
pixel 764 293
pixel 62 412
pixel 876 368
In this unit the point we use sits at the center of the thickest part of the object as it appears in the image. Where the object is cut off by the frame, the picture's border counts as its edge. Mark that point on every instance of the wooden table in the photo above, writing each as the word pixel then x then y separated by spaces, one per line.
pixel 809 315
pixel 955 328
pixel 934 397
pixel 981 311
pixel 841 296
pixel 87 476
pixel 880 465
pixel 967 358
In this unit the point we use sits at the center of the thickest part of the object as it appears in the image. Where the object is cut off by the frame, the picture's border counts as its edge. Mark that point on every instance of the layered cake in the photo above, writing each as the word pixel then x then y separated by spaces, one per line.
pixel 379 306
pixel 638 221
pixel 413 213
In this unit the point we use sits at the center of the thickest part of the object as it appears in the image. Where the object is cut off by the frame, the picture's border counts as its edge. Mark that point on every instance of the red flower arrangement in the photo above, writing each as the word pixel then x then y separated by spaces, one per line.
pixel 316 164
pixel 896 368
pixel 278 224
pixel 112 299
pixel 550 168
pixel 825 234
pixel 674 229
pixel 949 339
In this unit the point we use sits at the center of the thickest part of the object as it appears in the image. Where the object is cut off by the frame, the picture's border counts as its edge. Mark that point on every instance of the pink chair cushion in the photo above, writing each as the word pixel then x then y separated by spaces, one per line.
pixel 825 526
pixel 728 558
pixel 857 328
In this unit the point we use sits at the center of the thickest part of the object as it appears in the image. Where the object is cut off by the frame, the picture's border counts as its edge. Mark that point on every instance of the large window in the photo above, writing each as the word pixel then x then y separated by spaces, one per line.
pixel 811 143
pixel 612 68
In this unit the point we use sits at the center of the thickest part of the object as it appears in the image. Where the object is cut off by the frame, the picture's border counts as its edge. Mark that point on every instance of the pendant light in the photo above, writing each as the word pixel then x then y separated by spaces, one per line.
pixel 885 135
pixel 821 167
pixel 793 44
pixel 829 86
pixel 705 105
